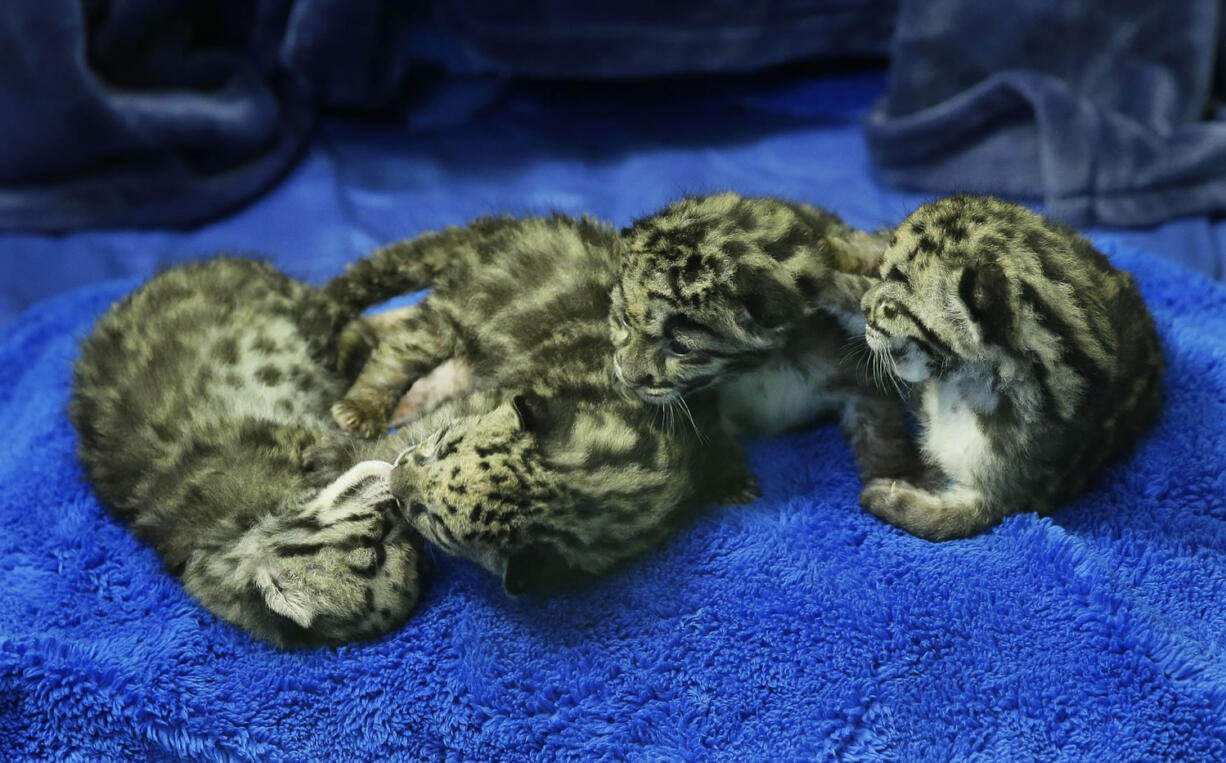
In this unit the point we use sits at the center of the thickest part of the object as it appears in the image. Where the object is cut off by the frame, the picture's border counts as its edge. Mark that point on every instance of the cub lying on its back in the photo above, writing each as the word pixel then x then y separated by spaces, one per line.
pixel 201 402
pixel 568 475
pixel 758 298
pixel 1036 361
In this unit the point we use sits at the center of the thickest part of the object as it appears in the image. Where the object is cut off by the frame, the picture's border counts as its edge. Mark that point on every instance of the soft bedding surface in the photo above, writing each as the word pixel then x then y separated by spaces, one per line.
pixel 795 627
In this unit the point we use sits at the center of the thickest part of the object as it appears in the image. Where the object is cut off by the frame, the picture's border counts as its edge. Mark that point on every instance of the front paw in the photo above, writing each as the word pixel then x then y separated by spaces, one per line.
pixel 360 418
pixel 891 500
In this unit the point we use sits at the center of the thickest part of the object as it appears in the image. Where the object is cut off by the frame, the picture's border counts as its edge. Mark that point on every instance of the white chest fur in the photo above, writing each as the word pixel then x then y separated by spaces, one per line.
pixel 779 395
pixel 953 437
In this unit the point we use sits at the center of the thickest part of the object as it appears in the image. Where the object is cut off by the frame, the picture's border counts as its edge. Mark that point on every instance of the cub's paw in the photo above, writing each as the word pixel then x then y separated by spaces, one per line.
pixel 361 418
pixel 891 500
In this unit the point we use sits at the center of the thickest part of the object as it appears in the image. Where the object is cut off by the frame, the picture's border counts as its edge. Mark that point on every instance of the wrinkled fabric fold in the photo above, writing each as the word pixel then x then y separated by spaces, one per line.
pixel 1098 110
pixel 161 113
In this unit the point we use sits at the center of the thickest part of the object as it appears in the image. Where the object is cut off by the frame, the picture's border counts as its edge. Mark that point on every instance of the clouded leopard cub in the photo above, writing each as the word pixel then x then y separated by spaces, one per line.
pixel 759 298
pixel 201 401
pixel 569 475
pixel 1036 362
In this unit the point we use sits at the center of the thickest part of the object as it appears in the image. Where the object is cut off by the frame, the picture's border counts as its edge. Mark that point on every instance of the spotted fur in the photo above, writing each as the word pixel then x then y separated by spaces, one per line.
pixel 201 403
pixel 530 460
pixel 1035 362
pixel 759 298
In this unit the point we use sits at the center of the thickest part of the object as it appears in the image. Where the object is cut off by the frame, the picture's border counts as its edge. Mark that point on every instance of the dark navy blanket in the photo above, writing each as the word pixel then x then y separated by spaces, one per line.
pixel 1105 110
pixel 798 627
pixel 168 113
pixel 475 147
pixel 157 113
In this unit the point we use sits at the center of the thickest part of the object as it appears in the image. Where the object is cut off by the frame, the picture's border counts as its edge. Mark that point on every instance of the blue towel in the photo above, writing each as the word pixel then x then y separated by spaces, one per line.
pixel 795 627
pixel 1103 109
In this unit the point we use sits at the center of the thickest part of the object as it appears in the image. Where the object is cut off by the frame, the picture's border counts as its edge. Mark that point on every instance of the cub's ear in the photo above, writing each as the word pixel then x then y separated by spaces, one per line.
pixel 770 302
pixel 531 409
pixel 984 291
pixel 536 569
pixel 284 593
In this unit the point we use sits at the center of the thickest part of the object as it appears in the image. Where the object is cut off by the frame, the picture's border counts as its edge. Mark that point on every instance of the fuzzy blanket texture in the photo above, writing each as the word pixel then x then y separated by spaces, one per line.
pixel 797 627
pixel 1108 111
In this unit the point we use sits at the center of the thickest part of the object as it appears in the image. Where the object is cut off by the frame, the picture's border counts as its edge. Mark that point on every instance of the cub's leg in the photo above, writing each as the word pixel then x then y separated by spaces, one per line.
pixel 957 511
pixel 877 431
pixel 362 336
pixel 727 480
pixel 421 341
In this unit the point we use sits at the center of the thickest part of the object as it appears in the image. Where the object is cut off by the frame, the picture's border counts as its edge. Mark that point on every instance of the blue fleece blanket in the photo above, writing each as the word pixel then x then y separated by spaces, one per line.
pixel 795 627
pixel 1104 109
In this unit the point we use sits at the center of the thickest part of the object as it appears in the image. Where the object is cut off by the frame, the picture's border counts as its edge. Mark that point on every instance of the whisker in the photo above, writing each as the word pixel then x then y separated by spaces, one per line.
pixel 879 371
pixel 685 408
pixel 873 372
pixel 896 378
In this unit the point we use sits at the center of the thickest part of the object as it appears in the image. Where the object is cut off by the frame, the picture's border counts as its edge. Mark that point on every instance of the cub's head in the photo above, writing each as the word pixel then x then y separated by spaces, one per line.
pixel 470 476
pixel 705 289
pixel 540 491
pixel 943 298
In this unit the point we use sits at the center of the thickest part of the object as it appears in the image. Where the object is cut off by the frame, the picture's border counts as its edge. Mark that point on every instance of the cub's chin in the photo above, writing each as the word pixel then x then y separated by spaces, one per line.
pixel 658 395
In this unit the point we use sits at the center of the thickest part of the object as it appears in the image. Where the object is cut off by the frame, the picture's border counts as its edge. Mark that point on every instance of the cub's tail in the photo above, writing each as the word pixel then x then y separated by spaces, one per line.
pixel 411 265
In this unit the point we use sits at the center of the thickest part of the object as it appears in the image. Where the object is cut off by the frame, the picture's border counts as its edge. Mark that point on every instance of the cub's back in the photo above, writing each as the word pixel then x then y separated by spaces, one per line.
pixel 535 306
pixel 195 350
pixel 1130 403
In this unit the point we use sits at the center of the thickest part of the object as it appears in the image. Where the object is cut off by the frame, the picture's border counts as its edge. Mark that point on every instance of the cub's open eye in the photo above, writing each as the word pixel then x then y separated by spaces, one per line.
pixel 889 310
pixel 677 346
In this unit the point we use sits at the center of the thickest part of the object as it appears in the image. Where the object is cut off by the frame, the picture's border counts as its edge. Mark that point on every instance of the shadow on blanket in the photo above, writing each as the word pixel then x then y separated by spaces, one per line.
pixel 795 627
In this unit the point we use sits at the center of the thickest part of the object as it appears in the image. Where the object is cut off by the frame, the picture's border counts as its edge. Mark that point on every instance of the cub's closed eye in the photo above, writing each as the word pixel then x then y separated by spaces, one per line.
pixel 527 409
pixel 897 275
pixel 677 346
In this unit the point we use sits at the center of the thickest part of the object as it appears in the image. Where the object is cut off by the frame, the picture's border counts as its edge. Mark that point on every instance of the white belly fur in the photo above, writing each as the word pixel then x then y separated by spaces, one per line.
pixel 953 438
pixel 778 396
